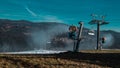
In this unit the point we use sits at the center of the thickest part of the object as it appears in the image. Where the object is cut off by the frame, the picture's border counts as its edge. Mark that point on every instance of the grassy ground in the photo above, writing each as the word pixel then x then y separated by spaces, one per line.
pixel 83 59
pixel 102 51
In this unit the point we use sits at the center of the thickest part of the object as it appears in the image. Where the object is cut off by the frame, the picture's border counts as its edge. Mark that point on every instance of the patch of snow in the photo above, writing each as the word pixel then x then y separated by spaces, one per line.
pixel 35 52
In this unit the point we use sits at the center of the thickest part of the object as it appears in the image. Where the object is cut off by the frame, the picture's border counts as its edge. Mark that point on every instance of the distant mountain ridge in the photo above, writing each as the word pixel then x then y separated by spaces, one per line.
pixel 19 35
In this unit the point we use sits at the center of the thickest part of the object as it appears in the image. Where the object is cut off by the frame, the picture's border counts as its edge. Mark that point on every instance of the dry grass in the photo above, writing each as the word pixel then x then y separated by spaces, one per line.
pixel 102 51
pixel 63 60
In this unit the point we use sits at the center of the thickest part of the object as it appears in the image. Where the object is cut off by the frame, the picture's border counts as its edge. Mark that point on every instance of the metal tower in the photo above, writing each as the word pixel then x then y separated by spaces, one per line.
pixel 99 22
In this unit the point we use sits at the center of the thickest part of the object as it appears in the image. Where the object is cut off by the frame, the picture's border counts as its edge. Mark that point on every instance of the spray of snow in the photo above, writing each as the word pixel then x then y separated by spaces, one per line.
pixel 109 40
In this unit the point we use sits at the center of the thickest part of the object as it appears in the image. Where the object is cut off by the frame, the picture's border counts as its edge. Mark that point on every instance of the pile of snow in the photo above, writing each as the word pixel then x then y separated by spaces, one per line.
pixel 35 52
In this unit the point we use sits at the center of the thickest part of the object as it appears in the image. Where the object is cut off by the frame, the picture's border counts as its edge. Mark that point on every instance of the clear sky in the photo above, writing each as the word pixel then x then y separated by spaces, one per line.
pixel 63 11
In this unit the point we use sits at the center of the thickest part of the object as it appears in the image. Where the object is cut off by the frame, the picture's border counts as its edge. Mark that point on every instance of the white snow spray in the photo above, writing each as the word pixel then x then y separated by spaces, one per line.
pixel 109 40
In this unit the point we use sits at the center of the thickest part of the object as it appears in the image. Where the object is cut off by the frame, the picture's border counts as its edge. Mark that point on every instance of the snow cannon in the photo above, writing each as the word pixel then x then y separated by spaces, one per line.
pixel 103 39
pixel 72 32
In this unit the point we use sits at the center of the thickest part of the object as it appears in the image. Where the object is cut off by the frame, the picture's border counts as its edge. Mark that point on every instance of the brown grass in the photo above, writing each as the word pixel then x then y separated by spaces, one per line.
pixel 62 60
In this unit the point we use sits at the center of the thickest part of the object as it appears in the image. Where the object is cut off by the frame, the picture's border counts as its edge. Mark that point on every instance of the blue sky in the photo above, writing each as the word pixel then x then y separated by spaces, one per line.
pixel 63 11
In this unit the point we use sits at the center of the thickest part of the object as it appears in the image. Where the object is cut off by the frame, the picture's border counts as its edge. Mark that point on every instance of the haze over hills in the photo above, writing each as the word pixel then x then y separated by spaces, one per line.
pixel 24 35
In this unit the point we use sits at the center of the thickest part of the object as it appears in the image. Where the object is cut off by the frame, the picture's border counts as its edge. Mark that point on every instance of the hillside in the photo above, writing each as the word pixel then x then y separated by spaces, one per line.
pixel 22 35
